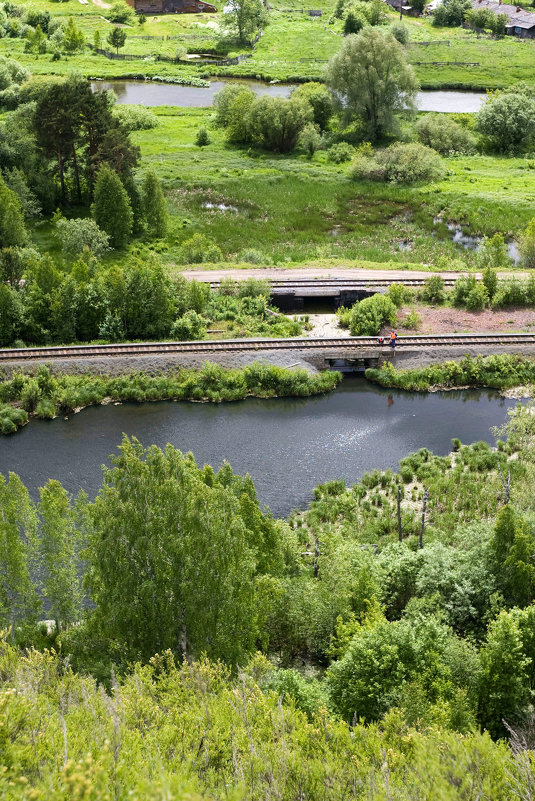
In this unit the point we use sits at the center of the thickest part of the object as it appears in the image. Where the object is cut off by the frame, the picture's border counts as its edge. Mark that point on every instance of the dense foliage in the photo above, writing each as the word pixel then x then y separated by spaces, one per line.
pixel 500 371
pixel 86 301
pixel 46 394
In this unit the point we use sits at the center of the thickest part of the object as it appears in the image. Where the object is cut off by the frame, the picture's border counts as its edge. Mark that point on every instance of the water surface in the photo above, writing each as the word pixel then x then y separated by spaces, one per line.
pixel 287 445
pixel 151 93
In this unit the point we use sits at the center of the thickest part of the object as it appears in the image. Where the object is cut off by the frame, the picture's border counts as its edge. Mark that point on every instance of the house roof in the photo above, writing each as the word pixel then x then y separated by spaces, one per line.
pixel 516 15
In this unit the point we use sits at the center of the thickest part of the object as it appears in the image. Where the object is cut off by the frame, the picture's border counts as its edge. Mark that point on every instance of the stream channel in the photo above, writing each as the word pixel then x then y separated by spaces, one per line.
pixel 288 445
pixel 151 93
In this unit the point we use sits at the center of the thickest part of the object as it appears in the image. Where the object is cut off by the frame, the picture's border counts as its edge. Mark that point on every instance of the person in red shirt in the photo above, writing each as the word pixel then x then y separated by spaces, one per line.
pixel 393 337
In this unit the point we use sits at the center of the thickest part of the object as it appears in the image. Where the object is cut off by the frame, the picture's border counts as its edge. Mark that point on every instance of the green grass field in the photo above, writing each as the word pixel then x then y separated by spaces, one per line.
pixel 294 47
pixel 293 210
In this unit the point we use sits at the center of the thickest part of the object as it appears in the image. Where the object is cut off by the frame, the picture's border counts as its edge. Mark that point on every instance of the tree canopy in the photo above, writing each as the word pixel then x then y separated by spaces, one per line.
pixel 371 81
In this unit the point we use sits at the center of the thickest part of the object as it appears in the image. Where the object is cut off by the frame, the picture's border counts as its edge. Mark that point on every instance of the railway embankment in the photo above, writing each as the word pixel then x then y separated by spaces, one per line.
pixel 312 354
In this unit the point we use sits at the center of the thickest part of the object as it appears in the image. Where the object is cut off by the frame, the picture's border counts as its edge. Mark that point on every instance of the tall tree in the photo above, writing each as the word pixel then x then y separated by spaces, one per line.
pixel 111 207
pixel 371 80
pixel 116 38
pixel 18 598
pixel 243 18
pixel 12 228
pixel 59 546
pixel 154 205
pixel 174 558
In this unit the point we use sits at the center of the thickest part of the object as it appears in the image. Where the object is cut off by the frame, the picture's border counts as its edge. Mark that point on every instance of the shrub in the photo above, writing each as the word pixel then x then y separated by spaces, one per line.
pixel 199 249
pixel 508 121
pixel 451 13
pixel 340 152
pixel 400 32
pixel 11 419
pixel 368 317
pixel 400 163
pixel 477 298
pixel 399 294
pixel 202 139
pixel 136 118
pixel 190 326
pixel 412 320
pixel 445 136
pixel 310 139
pixel 433 289
pixel 78 235
pixel 320 100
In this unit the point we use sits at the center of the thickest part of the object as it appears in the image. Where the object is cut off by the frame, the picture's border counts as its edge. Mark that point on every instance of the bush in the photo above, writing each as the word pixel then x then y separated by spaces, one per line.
pixel 508 121
pixel 400 163
pixel 310 139
pixel 78 235
pixel 433 289
pixel 445 136
pixel 136 118
pixel 412 321
pixel 190 326
pixel 399 294
pixel 340 152
pixel 202 139
pixel 451 13
pixel 368 317
pixel 470 293
pixel 199 249
pixel 400 32
pixel 11 419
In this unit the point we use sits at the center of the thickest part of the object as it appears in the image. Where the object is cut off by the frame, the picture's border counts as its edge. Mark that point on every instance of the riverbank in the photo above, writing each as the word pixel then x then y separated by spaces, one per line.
pixel 46 393
pixel 514 374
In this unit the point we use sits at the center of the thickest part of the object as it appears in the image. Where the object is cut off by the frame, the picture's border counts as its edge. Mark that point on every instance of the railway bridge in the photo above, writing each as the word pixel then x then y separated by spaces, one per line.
pixel 299 294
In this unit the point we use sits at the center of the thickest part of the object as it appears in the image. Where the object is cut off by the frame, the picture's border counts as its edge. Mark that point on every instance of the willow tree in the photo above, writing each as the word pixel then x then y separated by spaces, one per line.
pixel 371 81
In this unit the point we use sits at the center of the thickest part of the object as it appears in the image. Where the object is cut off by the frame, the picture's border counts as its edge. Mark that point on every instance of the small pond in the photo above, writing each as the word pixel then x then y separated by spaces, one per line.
pixel 287 445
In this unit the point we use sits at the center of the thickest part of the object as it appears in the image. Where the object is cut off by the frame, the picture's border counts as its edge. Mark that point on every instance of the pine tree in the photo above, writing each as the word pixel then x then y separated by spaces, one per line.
pixel 73 38
pixel 111 208
pixel 154 206
pixel 117 38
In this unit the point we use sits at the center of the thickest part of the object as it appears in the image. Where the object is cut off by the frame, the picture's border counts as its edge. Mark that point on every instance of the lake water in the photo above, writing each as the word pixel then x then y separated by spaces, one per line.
pixel 287 445
pixel 151 93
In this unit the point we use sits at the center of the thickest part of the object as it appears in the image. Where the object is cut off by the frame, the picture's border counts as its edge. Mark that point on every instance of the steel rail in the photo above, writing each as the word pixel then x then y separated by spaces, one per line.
pixel 296 343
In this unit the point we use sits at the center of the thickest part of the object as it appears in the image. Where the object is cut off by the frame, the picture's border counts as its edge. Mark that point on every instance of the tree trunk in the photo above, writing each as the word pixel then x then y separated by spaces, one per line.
pixel 400 529
pixel 61 174
pixel 76 175
pixel 422 525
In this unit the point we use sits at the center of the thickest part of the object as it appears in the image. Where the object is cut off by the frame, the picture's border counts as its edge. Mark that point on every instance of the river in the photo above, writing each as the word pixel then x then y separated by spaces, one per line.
pixel 151 93
pixel 287 445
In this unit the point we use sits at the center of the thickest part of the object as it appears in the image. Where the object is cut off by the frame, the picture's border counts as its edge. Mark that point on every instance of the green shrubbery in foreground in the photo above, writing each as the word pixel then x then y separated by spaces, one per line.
pixel 46 394
pixel 193 733
pixel 500 371
pixel 424 642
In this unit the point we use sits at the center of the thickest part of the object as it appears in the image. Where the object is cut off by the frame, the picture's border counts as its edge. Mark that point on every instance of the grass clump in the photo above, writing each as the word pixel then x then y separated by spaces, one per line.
pixel 46 394
pixel 499 371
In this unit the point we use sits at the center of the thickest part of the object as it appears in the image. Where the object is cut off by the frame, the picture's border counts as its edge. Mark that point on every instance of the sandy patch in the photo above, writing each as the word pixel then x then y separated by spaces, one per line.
pixel 445 320
pixel 326 325
pixel 101 4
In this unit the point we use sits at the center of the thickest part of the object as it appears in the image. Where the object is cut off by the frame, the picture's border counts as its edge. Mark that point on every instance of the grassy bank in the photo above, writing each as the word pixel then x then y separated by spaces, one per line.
pixel 500 371
pixel 46 395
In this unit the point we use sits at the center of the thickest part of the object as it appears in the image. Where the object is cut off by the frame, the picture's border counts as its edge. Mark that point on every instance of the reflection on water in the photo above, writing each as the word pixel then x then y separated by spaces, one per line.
pixel 152 93
pixel 287 445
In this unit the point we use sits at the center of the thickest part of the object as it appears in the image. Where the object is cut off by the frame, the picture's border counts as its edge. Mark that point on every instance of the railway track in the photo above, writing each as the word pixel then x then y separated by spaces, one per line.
pixel 352 344
pixel 280 285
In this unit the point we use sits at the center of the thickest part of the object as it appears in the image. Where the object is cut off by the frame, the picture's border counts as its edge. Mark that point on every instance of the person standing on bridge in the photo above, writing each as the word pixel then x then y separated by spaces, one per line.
pixel 393 338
